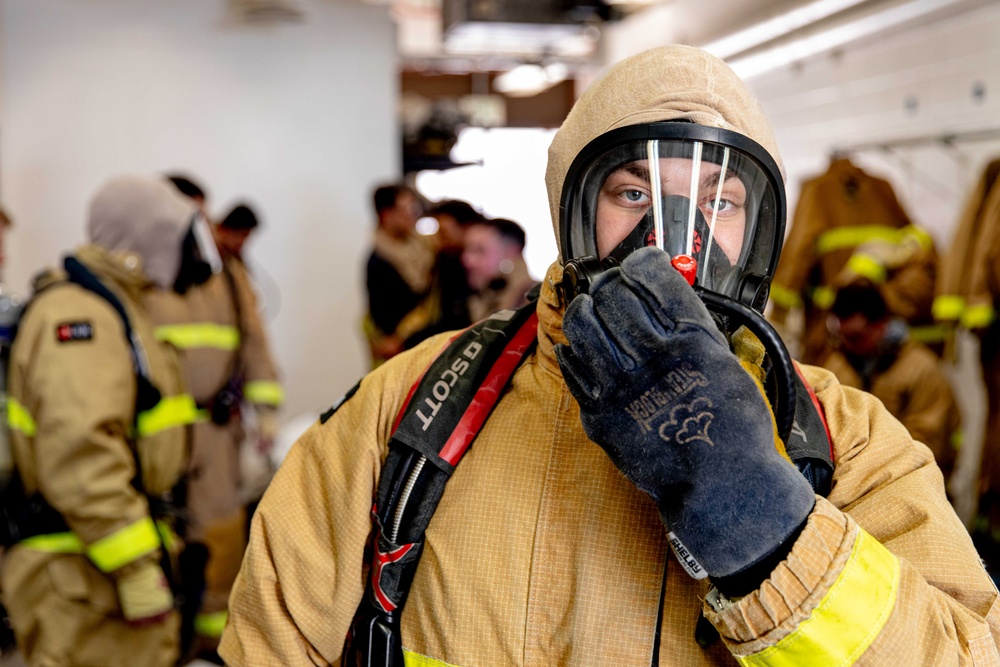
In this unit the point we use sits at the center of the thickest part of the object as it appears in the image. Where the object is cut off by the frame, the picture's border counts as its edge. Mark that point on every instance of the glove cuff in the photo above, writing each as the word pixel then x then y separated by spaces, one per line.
pixel 749 579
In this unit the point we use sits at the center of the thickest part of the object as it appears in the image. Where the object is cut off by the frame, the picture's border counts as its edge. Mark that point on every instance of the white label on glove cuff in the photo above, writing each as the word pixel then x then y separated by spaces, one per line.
pixel 687 561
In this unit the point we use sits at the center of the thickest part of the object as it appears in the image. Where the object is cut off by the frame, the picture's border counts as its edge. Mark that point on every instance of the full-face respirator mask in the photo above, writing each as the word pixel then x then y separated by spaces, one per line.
pixel 712 199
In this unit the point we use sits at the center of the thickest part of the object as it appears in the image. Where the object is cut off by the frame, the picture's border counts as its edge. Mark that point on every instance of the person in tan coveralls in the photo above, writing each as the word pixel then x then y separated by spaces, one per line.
pixel 98 446
pixel 542 552
pixel 872 351
pixel 225 355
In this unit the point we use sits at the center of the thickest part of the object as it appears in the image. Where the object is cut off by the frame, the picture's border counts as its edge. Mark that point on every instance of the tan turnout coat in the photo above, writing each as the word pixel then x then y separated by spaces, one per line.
pixel 80 395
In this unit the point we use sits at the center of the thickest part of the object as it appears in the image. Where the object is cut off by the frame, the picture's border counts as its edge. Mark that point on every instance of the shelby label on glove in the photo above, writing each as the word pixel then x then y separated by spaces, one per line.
pixel 662 393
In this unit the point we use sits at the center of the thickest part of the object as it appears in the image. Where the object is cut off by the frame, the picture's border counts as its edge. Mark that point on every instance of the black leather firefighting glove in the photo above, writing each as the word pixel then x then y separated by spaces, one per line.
pixel 661 392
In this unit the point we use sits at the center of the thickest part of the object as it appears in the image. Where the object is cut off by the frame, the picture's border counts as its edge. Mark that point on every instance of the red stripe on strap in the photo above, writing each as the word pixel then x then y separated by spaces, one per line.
pixel 818 406
pixel 489 392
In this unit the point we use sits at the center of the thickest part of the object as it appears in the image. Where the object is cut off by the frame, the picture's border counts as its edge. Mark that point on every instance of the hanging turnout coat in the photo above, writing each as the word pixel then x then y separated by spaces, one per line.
pixel 837 212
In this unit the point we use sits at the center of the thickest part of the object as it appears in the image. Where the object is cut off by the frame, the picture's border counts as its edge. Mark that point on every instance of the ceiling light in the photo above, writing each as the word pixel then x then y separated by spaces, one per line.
pixel 530 79
pixel 269 11
pixel 763 32
pixel 835 37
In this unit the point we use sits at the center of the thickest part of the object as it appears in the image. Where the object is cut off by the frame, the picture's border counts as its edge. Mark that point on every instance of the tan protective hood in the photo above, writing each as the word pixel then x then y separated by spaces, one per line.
pixel 665 83
pixel 144 216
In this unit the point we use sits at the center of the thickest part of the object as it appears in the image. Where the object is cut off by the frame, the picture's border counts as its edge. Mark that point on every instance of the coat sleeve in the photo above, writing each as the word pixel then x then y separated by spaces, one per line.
pixel 302 575
pixel 883 573
pixel 81 394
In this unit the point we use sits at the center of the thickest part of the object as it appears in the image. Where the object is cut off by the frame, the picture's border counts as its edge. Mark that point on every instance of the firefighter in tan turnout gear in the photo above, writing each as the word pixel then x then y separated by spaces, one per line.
pixel 98 415
pixel 632 447
pixel 226 360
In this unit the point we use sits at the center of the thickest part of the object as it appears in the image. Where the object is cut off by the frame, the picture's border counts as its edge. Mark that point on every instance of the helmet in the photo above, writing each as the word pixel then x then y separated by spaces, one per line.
pixel 713 199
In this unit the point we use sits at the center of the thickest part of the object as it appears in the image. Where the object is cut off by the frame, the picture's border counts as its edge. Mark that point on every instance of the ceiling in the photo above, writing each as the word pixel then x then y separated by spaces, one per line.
pixel 753 34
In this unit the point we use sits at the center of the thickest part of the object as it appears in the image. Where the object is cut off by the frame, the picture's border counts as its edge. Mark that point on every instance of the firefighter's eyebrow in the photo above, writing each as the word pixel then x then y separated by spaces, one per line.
pixel 712 180
pixel 636 169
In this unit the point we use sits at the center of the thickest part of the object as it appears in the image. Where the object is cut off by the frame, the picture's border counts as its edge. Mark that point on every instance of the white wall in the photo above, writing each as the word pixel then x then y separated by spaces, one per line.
pixel 298 119
pixel 860 95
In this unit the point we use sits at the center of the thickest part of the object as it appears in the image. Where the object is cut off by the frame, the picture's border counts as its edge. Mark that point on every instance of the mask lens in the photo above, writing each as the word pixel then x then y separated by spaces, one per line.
pixel 709 204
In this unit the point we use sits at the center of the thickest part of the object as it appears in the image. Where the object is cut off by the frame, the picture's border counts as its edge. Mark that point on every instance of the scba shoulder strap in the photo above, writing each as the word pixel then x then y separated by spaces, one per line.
pixel 441 417
pixel 809 444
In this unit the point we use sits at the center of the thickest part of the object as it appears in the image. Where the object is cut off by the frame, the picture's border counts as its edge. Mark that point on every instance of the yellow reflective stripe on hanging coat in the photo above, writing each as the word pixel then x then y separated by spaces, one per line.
pixel 853 236
pixel 977 316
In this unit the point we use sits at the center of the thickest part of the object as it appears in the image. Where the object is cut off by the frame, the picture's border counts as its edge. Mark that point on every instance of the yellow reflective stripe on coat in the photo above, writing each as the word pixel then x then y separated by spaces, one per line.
pixel 848 618
pixel 411 659
pixel 784 297
pixel 978 316
pixel 824 297
pixel 125 545
pixel 69 543
pixel 948 308
pixel 170 412
pixel 851 237
pixel 201 334
pixel 264 391
pixel 19 419
pixel 868 267
pixel 931 333
pixel 54 543
pixel 917 235
pixel 211 625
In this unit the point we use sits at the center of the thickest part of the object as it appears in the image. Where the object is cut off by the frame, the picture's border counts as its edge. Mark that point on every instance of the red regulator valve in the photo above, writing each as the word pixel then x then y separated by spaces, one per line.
pixel 687 266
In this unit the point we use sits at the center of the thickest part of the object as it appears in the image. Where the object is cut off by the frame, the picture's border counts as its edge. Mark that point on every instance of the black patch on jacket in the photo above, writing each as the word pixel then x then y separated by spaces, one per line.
pixel 68 332
pixel 325 417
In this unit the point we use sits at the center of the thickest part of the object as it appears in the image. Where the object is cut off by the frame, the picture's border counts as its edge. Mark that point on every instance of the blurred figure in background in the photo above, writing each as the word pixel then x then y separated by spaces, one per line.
pixel 228 365
pixel 10 309
pixel 449 286
pixel 98 419
pixel 495 267
pixel 398 275
pixel 872 351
